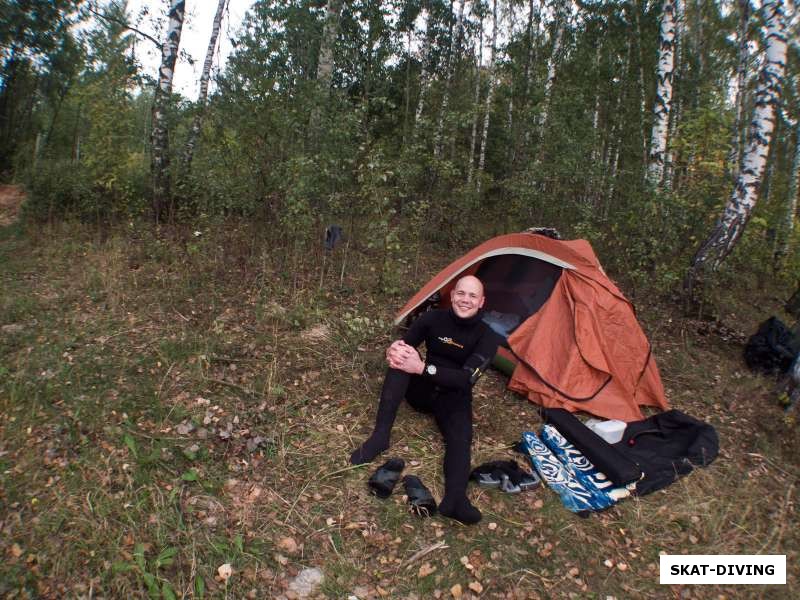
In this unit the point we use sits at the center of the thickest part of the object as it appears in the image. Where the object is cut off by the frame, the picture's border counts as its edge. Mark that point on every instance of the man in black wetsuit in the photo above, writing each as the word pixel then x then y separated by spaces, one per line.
pixel 459 346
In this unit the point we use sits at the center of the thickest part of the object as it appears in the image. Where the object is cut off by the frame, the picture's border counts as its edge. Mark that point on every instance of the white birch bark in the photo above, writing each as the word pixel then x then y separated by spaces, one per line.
pixel 489 97
pixel 666 57
pixel 329 34
pixel 325 63
pixel 676 108
pixel 740 206
pixel 194 132
pixel 424 78
pixel 734 156
pixel 160 134
pixel 476 103
pixel 552 64
pixel 451 62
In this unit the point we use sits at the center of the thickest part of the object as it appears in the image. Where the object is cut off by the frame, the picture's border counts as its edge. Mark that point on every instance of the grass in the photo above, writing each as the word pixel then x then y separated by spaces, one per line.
pixel 172 404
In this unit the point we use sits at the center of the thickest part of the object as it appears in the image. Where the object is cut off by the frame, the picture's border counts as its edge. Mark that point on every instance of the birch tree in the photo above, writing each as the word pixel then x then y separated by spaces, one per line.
pixel 552 64
pixel 204 78
pixel 424 78
pixel 476 103
pixel 663 100
pixel 741 82
pixel 451 62
pixel 160 134
pixel 737 212
pixel 325 62
pixel 489 96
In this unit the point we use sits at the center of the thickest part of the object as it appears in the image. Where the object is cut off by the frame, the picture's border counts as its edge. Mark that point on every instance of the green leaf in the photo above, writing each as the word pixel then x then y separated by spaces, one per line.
pixel 167 593
pixel 121 567
pixel 190 475
pixel 199 587
pixel 165 558
pixel 138 556
pixel 131 444
pixel 152 585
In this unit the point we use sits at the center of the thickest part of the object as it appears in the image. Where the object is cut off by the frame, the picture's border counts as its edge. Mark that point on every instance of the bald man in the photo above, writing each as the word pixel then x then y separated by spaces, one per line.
pixel 459 347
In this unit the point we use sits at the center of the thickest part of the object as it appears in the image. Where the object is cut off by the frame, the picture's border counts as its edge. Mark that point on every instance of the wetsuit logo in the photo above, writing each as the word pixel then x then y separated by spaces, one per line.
pixel 450 342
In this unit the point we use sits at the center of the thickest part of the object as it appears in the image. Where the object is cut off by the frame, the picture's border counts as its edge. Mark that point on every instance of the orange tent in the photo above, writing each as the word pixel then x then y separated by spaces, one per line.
pixel 574 338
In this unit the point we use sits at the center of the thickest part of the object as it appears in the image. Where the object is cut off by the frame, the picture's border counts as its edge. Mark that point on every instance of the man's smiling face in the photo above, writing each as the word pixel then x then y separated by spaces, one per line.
pixel 467 297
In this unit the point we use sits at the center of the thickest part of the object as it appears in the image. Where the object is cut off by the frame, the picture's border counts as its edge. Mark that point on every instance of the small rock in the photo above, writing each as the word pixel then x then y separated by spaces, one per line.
pixel 307 582
pixel 492 526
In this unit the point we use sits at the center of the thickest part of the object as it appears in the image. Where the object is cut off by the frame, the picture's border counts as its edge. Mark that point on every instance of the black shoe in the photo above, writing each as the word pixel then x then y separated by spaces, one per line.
pixel 382 481
pixel 419 497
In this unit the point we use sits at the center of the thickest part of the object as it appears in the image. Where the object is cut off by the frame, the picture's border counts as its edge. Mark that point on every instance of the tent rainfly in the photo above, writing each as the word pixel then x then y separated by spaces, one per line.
pixel 572 338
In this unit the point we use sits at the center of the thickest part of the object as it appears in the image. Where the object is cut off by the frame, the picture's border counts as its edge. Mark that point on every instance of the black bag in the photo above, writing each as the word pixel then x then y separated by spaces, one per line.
pixel 772 348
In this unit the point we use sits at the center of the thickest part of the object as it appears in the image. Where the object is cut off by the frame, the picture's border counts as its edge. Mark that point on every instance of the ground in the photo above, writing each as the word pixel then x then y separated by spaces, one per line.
pixel 177 408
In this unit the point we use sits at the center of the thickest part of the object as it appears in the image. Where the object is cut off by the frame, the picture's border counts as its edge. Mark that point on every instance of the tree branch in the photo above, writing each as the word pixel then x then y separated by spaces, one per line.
pixel 146 36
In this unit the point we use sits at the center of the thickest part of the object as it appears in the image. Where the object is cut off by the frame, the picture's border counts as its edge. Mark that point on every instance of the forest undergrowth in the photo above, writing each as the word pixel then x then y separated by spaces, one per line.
pixel 177 409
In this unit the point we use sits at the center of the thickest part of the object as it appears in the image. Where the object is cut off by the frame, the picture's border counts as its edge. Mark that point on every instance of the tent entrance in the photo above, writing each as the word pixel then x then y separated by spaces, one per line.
pixel 516 287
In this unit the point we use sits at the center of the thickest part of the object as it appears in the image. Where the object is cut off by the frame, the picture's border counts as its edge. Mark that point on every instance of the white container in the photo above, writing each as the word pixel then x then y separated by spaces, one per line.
pixel 611 431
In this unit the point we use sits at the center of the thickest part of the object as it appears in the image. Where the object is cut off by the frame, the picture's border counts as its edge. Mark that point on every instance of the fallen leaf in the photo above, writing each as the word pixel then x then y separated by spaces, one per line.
pixel 609 563
pixel 455 591
pixel 225 571
pixel 16 550
pixel 425 570
pixel 492 526
pixel 574 571
pixel 476 587
pixel 622 566
pixel 288 544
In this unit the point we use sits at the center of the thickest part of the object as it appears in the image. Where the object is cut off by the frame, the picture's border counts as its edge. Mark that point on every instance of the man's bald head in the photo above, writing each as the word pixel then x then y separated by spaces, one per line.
pixel 467 296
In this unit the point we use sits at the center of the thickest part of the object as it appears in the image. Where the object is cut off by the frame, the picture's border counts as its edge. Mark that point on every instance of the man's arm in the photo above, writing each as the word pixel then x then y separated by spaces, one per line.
pixel 449 377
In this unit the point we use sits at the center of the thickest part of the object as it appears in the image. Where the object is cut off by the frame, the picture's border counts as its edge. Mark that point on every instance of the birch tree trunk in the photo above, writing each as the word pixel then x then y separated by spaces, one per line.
pixel 424 78
pixel 677 106
pixel 534 20
pixel 201 100
pixel 489 97
pixel 451 61
pixel 734 157
pixel 325 62
pixel 552 64
pixel 740 206
pixel 160 135
pixel 666 57
pixel 476 103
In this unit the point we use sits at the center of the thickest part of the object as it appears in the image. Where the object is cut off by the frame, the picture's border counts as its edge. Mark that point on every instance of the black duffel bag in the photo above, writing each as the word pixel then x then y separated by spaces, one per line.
pixel 772 349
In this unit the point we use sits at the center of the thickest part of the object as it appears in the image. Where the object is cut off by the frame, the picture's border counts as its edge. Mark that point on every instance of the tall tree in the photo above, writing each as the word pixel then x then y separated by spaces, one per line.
pixel 201 100
pixel 451 63
pixel 741 89
pixel 739 208
pixel 489 95
pixel 160 134
pixel 663 100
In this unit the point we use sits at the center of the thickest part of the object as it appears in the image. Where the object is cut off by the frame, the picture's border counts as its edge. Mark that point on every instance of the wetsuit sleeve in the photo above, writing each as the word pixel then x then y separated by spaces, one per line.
pixel 418 330
pixel 474 366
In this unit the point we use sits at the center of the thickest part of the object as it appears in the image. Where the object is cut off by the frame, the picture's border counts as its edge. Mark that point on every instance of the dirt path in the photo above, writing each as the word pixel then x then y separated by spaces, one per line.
pixel 11 198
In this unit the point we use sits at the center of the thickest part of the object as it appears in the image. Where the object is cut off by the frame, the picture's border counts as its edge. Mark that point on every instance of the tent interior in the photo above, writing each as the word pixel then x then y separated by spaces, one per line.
pixel 515 286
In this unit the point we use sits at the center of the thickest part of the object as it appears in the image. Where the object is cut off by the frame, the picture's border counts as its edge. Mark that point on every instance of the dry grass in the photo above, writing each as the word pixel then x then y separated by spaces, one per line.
pixel 176 403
